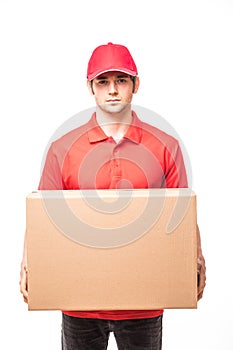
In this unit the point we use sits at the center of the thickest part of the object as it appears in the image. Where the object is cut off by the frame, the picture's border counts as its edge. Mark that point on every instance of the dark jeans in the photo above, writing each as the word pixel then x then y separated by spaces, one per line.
pixel 93 334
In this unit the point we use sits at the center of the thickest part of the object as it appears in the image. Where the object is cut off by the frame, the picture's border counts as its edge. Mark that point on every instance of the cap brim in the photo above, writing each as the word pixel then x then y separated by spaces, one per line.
pixel 126 71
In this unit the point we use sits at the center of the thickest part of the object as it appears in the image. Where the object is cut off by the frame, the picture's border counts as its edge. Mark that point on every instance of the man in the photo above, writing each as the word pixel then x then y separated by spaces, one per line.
pixel 115 149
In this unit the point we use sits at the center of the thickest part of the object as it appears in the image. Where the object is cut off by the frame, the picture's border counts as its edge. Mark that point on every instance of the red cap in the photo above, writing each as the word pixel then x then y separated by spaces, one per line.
pixel 110 57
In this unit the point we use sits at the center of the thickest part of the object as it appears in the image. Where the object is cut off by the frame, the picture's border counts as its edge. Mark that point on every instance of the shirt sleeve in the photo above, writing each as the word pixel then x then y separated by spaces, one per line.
pixel 51 178
pixel 175 175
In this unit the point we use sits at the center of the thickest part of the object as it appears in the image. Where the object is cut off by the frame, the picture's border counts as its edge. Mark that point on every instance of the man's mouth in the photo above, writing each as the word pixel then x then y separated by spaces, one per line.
pixel 112 100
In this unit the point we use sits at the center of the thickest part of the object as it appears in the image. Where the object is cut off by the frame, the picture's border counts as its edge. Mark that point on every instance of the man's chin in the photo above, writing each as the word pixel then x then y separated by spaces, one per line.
pixel 114 107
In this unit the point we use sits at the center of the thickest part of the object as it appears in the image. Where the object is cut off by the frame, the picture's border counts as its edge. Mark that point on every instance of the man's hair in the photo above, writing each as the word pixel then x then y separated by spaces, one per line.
pixel 133 78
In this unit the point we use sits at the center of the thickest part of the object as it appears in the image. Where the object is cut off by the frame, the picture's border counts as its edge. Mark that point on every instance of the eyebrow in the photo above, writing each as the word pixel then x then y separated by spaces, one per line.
pixel 118 76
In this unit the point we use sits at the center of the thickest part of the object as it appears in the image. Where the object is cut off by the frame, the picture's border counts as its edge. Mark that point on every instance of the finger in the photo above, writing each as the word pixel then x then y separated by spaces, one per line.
pixel 202 283
pixel 23 285
pixel 25 299
pixel 25 295
pixel 200 295
pixel 202 280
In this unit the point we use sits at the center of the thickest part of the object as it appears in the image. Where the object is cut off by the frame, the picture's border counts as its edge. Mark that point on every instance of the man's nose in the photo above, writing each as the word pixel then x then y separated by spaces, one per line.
pixel 112 88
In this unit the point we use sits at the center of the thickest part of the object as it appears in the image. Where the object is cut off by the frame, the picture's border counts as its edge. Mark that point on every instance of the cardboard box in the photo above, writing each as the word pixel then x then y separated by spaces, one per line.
pixel 112 249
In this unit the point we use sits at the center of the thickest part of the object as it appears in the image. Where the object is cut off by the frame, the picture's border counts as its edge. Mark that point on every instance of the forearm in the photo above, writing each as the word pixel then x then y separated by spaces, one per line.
pixel 24 258
pixel 24 272
pixel 201 268
pixel 200 256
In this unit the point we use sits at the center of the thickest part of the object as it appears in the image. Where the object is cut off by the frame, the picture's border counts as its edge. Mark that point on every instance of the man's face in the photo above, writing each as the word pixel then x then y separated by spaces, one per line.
pixel 113 91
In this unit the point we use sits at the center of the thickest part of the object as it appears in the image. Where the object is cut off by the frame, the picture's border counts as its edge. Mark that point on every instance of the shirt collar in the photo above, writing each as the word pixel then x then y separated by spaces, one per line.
pixel 96 134
pixel 134 132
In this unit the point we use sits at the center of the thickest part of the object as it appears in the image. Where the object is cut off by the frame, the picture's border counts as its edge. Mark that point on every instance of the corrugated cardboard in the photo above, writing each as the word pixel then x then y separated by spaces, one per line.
pixel 112 250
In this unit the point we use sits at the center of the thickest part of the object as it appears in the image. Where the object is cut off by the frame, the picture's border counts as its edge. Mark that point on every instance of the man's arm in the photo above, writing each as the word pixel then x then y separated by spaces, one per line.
pixel 176 177
pixel 201 268
pixel 51 179
pixel 24 273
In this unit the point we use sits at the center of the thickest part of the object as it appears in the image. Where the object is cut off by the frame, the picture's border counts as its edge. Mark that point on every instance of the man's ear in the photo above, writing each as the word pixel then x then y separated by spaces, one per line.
pixel 90 87
pixel 136 85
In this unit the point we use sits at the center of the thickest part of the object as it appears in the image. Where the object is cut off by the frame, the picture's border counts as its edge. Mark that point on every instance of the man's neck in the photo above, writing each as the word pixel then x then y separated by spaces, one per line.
pixel 114 124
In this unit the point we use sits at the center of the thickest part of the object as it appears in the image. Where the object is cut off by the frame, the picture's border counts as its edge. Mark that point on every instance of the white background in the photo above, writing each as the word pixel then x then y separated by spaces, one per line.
pixel 183 50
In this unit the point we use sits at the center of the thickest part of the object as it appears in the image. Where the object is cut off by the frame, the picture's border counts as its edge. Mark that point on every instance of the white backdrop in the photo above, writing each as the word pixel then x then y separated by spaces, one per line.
pixel 183 50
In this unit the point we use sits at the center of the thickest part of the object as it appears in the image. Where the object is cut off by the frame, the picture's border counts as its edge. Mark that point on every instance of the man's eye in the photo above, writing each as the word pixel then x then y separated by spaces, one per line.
pixel 121 81
pixel 102 82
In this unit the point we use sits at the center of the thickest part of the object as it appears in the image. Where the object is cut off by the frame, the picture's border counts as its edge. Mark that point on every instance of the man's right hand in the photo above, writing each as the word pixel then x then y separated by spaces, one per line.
pixel 24 282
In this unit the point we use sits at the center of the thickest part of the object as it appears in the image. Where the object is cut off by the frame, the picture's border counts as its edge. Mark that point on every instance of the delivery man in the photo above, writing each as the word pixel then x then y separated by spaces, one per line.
pixel 117 141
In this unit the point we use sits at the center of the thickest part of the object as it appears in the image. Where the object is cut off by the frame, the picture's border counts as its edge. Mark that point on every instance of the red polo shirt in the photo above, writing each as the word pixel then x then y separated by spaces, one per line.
pixel 85 158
